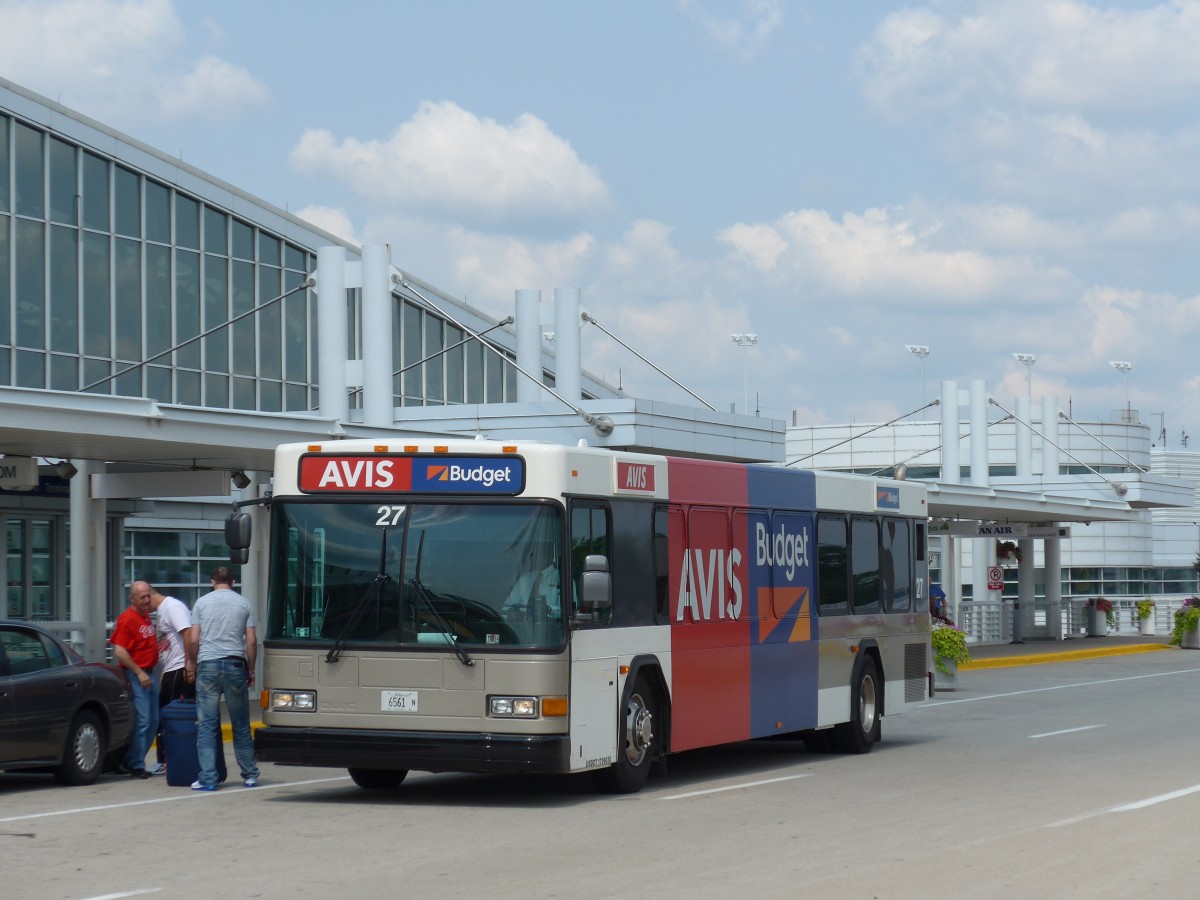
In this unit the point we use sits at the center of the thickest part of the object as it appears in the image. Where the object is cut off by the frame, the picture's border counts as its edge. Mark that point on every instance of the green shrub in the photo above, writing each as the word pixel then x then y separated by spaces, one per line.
pixel 949 644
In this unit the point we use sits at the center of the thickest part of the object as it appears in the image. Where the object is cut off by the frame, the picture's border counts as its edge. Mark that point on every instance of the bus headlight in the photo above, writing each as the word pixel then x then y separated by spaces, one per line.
pixel 513 707
pixel 294 701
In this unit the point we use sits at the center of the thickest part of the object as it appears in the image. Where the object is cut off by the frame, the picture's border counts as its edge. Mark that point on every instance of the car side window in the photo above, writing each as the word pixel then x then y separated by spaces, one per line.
pixel 27 652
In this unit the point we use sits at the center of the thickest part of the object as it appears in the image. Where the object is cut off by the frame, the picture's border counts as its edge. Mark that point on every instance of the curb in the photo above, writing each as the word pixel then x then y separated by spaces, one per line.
pixel 1006 662
pixel 227 730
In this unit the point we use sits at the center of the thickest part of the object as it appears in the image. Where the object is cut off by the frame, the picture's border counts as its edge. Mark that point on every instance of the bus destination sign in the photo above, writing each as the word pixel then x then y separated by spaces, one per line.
pixel 376 473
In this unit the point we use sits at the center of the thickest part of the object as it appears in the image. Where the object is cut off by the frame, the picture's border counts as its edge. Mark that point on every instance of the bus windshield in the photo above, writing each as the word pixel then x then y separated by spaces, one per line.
pixel 417 574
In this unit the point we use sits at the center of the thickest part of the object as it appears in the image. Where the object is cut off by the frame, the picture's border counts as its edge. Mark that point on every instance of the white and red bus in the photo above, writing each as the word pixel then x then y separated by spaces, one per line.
pixel 476 606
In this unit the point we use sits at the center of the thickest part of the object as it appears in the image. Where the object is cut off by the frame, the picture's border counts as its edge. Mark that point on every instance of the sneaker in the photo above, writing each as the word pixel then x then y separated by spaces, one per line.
pixel 160 769
pixel 122 769
pixel 199 786
pixel 251 782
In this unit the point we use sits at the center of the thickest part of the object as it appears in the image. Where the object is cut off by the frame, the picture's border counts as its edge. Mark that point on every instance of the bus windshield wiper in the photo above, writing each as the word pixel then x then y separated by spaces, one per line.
pixel 427 600
pixel 374 590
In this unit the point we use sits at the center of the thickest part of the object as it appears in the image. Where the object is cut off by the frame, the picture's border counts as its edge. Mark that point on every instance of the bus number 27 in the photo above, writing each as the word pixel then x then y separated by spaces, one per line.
pixel 389 516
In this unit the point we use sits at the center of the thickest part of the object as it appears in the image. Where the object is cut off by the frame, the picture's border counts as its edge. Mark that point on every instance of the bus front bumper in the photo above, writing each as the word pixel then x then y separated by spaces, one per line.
pixel 424 751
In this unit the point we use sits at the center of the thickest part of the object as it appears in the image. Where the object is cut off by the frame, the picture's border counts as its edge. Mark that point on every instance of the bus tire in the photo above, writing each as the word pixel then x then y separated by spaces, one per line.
pixel 864 727
pixel 378 779
pixel 635 743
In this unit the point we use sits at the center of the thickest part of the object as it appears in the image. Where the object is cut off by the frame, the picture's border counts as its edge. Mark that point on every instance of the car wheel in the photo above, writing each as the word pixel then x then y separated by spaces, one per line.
pixel 635 744
pixel 378 779
pixel 83 756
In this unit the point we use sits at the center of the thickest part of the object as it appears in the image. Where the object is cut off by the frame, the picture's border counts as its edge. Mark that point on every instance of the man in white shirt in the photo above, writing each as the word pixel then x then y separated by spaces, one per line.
pixel 174 619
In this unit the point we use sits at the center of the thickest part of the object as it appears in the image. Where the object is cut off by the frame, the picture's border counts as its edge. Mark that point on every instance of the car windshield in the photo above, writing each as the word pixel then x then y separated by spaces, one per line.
pixel 420 574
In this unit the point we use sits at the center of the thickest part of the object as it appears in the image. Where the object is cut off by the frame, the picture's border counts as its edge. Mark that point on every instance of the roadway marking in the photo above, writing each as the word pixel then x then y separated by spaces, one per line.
pixel 190 795
pixel 732 787
pixel 1127 807
pixel 136 893
pixel 1060 687
pixel 1067 731
pixel 1151 801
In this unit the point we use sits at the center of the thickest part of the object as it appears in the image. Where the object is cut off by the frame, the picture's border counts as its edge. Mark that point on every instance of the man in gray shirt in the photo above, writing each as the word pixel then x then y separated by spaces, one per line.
pixel 222 648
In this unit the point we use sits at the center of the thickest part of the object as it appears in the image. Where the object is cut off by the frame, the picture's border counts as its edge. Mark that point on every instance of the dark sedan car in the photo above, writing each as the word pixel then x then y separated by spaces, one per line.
pixel 58 712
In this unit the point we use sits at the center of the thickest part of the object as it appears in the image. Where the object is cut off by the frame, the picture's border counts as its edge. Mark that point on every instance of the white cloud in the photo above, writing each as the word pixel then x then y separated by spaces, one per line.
pixel 1049 56
pixel 1065 105
pixel 335 221
pixel 213 90
pixel 119 61
pixel 862 254
pixel 742 31
pixel 449 164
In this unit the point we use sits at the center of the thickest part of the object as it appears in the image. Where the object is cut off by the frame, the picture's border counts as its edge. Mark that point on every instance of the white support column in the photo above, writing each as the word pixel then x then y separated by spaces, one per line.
pixel 1023 615
pixel 951 474
pixel 1052 572
pixel 951 467
pixel 89 561
pixel 983 553
pixel 568 376
pixel 529 344
pixel 1050 454
pixel 332 333
pixel 1024 436
pixel 379 407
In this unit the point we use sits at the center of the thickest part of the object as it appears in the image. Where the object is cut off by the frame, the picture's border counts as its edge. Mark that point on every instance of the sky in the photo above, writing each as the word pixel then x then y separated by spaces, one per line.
pixel 983 178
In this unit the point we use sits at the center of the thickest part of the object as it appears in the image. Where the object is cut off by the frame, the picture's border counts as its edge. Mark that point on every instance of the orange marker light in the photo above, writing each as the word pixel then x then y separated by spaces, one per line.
pixel 554 707
pixel 381 448
pixel 264 698
pixel 410 448
pixel 509 448
pixel 440 448
pixel 314 448
pixel 624 670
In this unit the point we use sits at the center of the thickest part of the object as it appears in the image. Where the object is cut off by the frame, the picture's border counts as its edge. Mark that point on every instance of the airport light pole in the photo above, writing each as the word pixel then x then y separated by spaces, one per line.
pixel 745 341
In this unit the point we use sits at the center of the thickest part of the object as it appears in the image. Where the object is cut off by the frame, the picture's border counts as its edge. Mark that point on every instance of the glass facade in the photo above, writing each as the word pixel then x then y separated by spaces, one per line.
pixel 177 563
pixel 105 272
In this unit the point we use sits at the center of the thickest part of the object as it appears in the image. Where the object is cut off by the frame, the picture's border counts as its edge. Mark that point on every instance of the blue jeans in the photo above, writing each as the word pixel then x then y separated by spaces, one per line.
pixel 145 720
pixel 215 677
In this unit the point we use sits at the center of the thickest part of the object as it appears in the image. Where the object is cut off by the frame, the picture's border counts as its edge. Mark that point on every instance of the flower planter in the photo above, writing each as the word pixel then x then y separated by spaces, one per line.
pixel 1191 639
pixel 1147 625
pixel 1097 623
pixel 943 681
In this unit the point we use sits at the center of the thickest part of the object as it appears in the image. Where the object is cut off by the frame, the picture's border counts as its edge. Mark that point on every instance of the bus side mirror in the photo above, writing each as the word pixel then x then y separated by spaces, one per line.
pixel 595 584
pixel 237 536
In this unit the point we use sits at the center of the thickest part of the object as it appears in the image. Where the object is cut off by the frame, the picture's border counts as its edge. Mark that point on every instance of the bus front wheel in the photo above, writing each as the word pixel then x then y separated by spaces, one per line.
pixel 635 743
pixel 378 779
pixel 864 727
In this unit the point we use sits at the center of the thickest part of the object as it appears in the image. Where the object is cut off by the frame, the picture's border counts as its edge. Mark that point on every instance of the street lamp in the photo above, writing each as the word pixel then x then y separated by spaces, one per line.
pixel 1123 368
pixel 745 341
pixel 920 351
pixel 1027 360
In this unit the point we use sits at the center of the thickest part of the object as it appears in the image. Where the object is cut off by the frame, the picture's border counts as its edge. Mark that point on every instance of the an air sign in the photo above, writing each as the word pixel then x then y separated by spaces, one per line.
pixel 378 473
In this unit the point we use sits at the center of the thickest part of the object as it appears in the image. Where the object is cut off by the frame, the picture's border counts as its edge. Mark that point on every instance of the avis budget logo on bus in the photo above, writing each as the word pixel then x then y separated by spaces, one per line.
pixel 404 474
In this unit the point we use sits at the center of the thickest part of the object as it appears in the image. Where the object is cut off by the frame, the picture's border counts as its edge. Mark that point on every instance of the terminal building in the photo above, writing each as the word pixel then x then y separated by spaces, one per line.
pixel 1127 510
pixel 162 331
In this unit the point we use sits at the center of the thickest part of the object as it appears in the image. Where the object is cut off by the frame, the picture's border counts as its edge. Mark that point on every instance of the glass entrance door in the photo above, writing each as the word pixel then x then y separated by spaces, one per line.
pixel 34 583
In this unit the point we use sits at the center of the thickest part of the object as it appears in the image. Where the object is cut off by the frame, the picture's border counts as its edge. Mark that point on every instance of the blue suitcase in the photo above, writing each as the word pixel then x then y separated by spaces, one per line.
pixel 178 720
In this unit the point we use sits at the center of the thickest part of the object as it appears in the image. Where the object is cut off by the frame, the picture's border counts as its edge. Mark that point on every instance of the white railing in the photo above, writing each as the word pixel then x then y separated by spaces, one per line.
pixel 990 621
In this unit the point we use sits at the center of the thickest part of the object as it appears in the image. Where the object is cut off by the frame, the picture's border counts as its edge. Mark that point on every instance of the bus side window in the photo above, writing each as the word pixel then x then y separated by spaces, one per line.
pixel 833 566
pixel 591 535
pixel 864 556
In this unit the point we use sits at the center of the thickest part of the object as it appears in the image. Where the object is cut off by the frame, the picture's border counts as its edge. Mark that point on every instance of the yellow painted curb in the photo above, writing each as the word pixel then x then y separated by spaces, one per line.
pixel 227 730
pixel 1006 662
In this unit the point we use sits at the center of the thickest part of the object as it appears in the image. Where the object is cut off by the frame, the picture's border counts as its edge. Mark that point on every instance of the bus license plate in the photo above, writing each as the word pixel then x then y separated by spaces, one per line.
pixel 398 701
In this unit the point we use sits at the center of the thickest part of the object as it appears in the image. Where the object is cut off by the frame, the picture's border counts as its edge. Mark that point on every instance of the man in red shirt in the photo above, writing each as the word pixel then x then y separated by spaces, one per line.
pixel 135 646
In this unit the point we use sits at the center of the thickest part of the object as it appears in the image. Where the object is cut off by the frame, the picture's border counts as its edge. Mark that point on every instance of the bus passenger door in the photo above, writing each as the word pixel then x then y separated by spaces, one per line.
pixel 593 710
pixel 594 680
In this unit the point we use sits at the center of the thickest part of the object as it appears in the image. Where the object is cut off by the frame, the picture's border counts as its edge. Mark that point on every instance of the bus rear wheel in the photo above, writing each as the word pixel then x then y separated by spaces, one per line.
pixel 864 727
pixel 635 743
pixel 378 779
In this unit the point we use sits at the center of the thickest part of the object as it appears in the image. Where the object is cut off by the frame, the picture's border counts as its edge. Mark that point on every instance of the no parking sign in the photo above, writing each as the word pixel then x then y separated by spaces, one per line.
pixel 995 578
